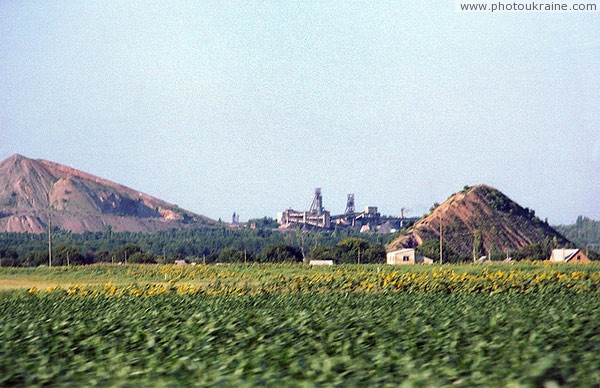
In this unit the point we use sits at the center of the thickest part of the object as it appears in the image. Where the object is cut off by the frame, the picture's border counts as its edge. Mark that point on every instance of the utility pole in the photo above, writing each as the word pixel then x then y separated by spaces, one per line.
pixel 49 230
pixel 587 250
pixel 441 252
pixel 474 246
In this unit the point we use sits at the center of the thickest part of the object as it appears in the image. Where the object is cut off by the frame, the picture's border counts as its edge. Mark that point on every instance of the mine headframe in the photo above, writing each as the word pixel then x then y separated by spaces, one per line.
pixel 317 203
pixel 350 205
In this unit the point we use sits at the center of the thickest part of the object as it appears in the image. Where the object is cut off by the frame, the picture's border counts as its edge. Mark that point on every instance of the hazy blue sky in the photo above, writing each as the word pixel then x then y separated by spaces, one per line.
pixel 247 106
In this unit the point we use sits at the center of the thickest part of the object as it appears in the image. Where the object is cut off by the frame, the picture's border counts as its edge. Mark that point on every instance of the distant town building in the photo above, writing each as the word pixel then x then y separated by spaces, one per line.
pixel 569 256
pixel 406 256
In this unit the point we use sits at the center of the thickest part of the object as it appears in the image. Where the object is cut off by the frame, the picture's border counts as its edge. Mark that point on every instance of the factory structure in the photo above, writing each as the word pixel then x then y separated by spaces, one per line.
pixel 369 220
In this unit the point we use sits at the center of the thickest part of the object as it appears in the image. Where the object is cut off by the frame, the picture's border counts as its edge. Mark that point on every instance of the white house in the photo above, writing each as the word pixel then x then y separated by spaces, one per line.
pixel 407 256
pixel 569 256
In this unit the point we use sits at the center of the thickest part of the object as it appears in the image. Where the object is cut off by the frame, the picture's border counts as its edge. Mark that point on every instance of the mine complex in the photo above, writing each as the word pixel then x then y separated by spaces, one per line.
pixel 369 220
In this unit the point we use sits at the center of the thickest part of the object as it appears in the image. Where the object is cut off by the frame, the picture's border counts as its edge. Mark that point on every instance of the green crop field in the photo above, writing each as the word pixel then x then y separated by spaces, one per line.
pixel 291 325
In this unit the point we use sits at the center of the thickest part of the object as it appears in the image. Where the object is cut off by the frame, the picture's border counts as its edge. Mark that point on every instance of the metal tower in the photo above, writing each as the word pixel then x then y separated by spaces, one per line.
pixel 317 203
pixel 350 204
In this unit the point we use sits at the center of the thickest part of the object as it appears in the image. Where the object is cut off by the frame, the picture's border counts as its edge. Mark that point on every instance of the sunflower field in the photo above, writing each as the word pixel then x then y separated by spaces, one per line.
pixel 526 324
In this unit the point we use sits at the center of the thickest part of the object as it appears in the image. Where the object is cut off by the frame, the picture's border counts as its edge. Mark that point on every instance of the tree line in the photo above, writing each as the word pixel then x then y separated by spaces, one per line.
pixel 585 232
pixel 263 244
pixel 208 245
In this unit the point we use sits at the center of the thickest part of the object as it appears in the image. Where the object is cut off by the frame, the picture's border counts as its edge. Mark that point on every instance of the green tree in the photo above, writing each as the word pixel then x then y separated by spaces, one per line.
pixel 431 249
pixel 8 257
pixel 375 254
pixel 323 252
pixel 280 253
pixel 532 252
pixel 36 258
pixel 142 258
pixel 493 253
pixel 350 249
pixel 232 255
pixel 262 223
pixel 478 247
pixel 65 254
pixel 123 253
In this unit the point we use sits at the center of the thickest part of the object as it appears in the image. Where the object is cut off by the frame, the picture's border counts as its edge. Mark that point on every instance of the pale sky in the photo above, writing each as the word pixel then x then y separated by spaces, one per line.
pixel 221 106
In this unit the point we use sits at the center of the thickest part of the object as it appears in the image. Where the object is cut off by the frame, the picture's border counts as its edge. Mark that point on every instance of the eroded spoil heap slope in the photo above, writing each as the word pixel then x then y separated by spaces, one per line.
pixel 479 210
pixel 79 201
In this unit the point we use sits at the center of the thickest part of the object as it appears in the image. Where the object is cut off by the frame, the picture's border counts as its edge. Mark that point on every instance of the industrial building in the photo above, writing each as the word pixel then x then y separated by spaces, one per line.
pixel 317 217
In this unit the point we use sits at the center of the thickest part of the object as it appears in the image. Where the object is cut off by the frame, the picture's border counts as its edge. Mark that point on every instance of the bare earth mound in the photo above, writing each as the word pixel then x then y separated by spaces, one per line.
pixel 479 210
pixel 79 201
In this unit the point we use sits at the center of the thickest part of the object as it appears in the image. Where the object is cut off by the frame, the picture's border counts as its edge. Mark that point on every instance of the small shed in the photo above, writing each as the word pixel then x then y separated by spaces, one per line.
pixel 321 262
pixel 569 256
pixel 406 256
